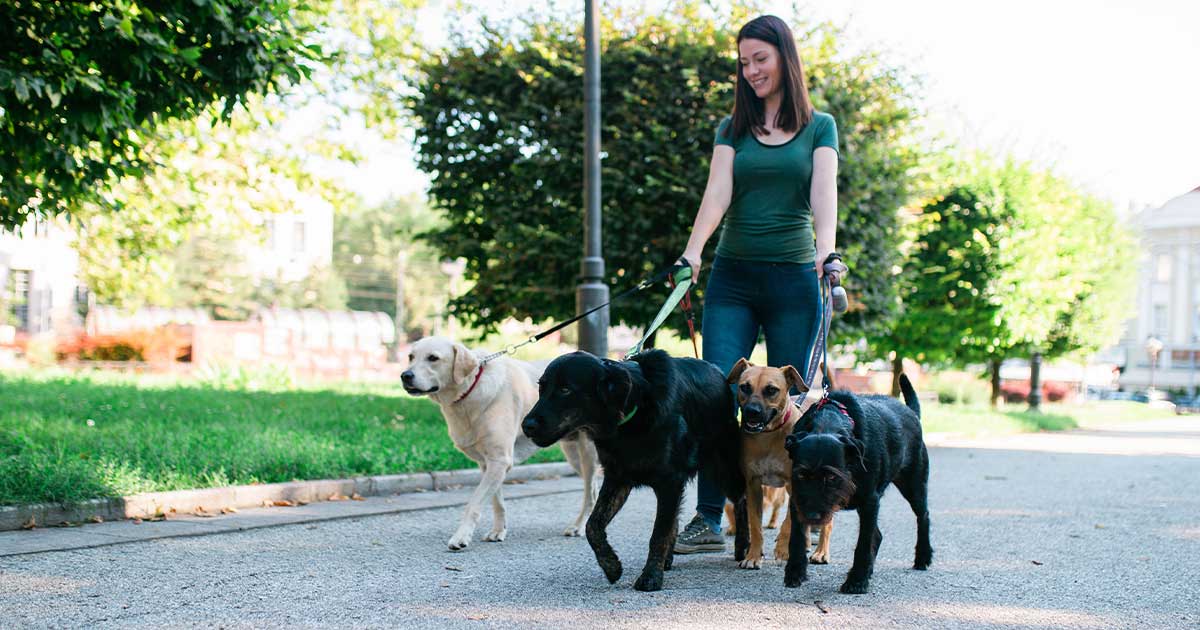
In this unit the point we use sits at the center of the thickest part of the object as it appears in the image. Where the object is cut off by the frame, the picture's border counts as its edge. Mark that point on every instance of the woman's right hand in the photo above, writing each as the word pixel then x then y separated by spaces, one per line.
pixel 692 261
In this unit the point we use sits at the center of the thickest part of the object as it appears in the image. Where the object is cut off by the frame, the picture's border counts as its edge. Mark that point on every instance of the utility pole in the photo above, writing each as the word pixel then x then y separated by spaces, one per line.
pixel 592 291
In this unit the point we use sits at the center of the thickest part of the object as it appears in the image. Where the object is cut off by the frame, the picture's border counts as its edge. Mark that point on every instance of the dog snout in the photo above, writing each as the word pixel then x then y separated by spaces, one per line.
pixel 752 411
pixel 529 426
pixel 407 376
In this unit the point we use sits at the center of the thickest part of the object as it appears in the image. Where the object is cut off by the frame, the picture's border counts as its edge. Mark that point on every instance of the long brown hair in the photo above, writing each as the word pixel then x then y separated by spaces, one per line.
pixel 796 110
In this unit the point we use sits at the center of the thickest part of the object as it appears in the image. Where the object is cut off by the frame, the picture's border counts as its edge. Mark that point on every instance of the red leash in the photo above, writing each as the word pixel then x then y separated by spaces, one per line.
pixel 686 305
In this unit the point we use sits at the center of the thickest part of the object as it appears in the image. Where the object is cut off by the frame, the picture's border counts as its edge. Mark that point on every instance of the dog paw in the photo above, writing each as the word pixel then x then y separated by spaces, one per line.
pixel 819 558
pixel 458 544
pixel 854 586
pixel 496 535
pixel 794 581
pixel 573 531
pixel 782 553
pixel 649 581
pixel 923 560
pixel 729 530
pixel 611 567
pixel 753 561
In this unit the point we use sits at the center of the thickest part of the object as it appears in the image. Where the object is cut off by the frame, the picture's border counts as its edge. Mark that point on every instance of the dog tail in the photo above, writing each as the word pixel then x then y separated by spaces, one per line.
pixel 910 395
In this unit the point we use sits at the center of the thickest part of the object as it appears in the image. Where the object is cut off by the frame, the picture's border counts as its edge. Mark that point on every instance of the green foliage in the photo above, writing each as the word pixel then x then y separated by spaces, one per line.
pixel 84 84
pixel 1008 261
pixel 211 273
pixel 500 131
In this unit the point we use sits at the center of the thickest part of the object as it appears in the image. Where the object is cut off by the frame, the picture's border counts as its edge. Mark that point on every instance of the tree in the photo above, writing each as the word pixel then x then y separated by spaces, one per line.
pixel 274 155
pixel 83 85
pixel 500 131
pixel 367 244
pixel 1007 262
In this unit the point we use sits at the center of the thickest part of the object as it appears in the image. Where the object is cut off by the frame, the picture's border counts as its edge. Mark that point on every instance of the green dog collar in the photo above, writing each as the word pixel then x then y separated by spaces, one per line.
pixel 628 416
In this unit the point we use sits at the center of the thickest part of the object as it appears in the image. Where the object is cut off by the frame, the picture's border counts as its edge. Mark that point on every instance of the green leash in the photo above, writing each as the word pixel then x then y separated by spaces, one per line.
pixel 683 282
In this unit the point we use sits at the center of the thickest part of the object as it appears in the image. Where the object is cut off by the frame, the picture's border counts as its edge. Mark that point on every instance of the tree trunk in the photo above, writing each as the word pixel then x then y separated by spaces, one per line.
pixel 897 370
pixel 994 364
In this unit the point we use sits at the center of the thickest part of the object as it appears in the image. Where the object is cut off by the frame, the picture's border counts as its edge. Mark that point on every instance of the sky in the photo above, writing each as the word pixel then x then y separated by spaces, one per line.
pixel 1104 92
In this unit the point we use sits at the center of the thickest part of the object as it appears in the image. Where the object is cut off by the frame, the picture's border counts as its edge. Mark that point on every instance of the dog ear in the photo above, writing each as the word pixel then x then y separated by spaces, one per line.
pixel 794 379
pixel 793 439
pixel 464 363
pixel 854 452
pixel 615 385
pixel 736 372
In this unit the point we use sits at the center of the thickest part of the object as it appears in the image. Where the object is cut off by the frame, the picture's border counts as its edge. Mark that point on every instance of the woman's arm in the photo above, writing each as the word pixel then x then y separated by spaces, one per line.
pixel 823 198
pixel 717 195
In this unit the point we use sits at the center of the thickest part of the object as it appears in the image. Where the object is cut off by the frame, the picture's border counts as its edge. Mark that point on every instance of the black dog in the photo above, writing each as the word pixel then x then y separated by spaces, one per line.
pixel 656 421
pixel 845 452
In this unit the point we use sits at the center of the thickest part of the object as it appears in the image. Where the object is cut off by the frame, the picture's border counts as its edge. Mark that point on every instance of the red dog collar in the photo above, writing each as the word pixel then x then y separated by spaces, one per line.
pixel 840 407
pixel 470 389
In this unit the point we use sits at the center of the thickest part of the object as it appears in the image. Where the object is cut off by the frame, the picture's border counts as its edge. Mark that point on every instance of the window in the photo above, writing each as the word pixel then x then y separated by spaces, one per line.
pixel 298 246
pixel 16 296
pixel 1161 323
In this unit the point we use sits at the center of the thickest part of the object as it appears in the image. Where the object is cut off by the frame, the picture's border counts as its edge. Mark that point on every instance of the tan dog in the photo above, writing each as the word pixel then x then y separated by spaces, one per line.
pixel 483 405
pixel 774 499
pixel 768 417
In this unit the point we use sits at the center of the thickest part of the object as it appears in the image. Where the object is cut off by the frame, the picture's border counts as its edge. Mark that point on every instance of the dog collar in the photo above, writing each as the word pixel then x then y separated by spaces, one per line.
pixel 470 389
pixel 628 416
pixel 786 414
pixel 840 407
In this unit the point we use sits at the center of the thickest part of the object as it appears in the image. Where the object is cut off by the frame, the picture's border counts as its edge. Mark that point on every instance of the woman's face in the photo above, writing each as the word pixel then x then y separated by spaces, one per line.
pixel 760 66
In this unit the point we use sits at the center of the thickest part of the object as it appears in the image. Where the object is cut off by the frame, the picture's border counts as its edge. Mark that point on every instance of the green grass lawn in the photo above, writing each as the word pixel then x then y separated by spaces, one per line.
pixel 68 437
pixel 72 437
pixel 983 420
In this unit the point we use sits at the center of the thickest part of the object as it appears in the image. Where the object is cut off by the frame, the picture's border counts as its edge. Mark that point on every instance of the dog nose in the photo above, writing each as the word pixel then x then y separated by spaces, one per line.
pixel 529 425
pixel 406 377
pixel 752 410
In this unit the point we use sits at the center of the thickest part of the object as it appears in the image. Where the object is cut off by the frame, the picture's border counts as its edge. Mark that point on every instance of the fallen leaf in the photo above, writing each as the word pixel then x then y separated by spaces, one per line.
pixel 137 521
pixel 337 497
pixel 444 584
pixel 822 607
pixel 357 497
pixel 302 502
pixel 1074 536
pixel 1099 526
pixel 1036 562
pixel 995 478
pixel 283 503
pixel 200 511
pixel 96 518
pixel 477 617
pixel 450 568
pixel 30 524
pixel 229 510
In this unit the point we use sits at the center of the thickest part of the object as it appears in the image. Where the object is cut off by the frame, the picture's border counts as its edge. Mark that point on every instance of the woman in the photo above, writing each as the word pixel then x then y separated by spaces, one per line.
pixel 773 179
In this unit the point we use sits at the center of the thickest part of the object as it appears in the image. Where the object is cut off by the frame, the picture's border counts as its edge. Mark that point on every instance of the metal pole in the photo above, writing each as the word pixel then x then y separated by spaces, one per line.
pixel 1035 382
pixel 592 292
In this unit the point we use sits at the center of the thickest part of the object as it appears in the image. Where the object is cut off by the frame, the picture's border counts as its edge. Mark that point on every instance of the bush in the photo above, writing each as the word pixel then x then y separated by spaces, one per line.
pixel 164 344
pixel 961 388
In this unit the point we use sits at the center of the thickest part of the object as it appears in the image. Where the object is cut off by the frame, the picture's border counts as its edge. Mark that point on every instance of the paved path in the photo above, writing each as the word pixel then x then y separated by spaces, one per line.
pixel 1096 529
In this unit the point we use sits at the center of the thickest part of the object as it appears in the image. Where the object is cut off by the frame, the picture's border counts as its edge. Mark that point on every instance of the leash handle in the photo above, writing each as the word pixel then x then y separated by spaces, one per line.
pixel 680 277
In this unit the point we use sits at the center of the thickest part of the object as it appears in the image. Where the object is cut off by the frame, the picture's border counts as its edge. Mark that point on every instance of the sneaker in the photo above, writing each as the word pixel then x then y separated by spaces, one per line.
pixel 698 537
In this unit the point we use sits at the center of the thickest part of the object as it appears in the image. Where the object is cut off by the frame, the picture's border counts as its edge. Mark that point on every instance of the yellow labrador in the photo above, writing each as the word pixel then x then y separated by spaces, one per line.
pixel 483 404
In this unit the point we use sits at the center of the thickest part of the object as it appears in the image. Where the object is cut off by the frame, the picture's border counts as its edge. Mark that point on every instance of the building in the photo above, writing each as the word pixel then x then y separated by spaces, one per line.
pixel 39 287
pixel 1168 300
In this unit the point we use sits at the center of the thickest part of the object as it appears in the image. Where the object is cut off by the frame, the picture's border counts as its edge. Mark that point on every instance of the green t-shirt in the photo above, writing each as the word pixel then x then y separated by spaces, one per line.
pixel 770 217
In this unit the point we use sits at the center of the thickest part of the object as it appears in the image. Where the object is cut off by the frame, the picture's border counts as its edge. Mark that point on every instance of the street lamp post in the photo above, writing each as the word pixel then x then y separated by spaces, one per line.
pixel 1153 348
pixel 592 291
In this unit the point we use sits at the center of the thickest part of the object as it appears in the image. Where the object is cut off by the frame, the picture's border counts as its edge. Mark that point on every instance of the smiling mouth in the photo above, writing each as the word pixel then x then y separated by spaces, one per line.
pixel 417 392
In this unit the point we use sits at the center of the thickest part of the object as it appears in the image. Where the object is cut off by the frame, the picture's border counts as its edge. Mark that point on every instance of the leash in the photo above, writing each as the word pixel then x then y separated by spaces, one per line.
pixel 680 279
pixel 830 281
pixel 646 283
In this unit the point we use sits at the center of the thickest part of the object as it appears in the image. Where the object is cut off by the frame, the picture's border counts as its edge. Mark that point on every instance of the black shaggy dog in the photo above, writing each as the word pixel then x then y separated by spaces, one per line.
pixel 845 452
pixel 656 421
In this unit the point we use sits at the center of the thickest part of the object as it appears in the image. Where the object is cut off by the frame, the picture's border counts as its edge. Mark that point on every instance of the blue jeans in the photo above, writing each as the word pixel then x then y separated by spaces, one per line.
pixel 743 297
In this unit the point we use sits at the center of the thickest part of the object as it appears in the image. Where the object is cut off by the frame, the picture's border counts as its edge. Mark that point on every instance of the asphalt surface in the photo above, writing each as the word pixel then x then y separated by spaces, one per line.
pixel 1097 529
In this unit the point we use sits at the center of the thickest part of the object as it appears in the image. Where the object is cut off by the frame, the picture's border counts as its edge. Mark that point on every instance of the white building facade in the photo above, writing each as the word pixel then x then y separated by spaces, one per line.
pixel 1168 300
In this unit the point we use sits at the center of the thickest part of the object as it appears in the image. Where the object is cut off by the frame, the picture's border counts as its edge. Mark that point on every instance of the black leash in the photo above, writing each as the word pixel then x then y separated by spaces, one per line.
pixel 831 281
pixel 646 283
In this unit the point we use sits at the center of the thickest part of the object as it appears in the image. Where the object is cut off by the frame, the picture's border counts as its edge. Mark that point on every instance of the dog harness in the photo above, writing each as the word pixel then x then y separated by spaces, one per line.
pixel 470 389
pixel 840 407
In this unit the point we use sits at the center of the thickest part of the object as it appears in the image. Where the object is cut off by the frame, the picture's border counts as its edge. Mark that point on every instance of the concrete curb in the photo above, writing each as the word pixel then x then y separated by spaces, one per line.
pixel 215 500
